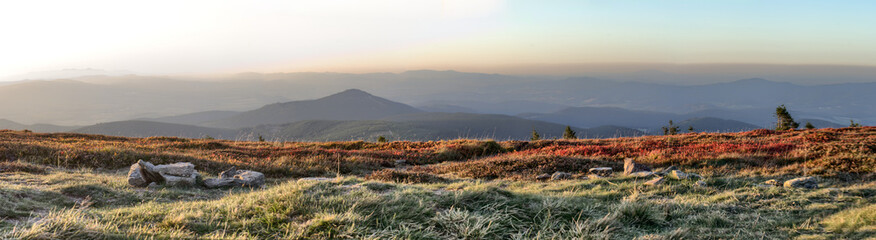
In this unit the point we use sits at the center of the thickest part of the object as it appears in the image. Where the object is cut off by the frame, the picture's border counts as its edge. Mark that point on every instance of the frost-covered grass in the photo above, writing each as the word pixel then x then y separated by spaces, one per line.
pixel 85 204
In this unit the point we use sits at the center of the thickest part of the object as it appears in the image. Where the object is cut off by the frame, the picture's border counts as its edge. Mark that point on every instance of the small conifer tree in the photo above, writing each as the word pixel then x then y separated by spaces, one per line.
pixel 809 125
pixel 381 139
pixel 261 139
pixel 671 129
pixel 569 134
pixel 690 129
pixel 784 119
pixel 535 135
pixel 852 123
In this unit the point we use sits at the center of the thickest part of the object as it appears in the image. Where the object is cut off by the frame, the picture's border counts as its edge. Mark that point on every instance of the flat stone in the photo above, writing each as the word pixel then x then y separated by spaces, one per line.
pixel 219 183
pixel 700 183
pixel 802 182
pixel 655 181
pixel 642 174
pixel 182 169
pixel 772 182
pixel 543 177
pixel 560 176
pixel 315 179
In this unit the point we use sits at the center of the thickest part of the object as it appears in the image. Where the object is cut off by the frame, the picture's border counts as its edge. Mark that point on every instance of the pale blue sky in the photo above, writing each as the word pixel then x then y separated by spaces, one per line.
pixel 204 37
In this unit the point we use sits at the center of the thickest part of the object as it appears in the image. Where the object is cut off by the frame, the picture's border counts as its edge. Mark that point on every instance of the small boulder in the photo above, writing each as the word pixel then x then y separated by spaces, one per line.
pixel 803 182
pixel 700 183
pixel 400 162
pixel 219 183
pixel 678 175
pixel 642 174
pixel 694 176
pixel 142 173
pixel 772 182
pixel 318 179
pixel 543 177
pixel 594 177
pixel 655 181
pixel 247 178
pixel 560 176
pixel 630 166
pixel 601 171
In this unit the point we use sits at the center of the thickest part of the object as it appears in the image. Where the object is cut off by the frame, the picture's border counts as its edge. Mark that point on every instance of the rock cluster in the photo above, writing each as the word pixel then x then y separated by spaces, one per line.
pixel 143 174
pixel 631 168
pixel 638 170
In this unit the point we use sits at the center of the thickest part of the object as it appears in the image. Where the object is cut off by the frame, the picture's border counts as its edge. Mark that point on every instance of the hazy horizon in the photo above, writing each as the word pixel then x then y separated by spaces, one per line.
pixel 683 74
pixel 560 38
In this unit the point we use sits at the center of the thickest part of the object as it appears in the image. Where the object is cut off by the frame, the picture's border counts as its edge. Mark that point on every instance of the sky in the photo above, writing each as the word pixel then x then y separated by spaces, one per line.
pixel 520 37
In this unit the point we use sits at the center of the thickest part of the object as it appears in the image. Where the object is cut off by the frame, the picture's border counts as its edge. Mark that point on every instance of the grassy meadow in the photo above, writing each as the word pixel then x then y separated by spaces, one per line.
pixel 73 186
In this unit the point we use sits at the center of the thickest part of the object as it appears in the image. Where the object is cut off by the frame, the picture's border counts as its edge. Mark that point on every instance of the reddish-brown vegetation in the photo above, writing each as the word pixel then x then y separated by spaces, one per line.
pixel 823 151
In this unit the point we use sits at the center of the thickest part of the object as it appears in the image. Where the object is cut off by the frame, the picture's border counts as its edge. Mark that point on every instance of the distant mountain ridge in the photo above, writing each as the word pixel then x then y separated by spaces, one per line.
pixel 426 127
pixel 93 99
pixel 708 121
pixel 351 104
pixel 44 128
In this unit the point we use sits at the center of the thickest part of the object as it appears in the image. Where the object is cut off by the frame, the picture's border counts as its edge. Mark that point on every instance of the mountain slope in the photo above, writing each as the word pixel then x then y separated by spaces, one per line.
pixel 427 126
pixel 352 104
pixel 818 123
pixel 599 116
pixel 196 118
pixel 42 128
pixel 136 128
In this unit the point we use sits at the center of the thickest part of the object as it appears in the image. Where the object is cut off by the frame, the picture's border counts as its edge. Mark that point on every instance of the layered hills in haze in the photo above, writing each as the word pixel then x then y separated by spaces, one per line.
pixel 349 115
pixel 449 104
pixel 93 99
